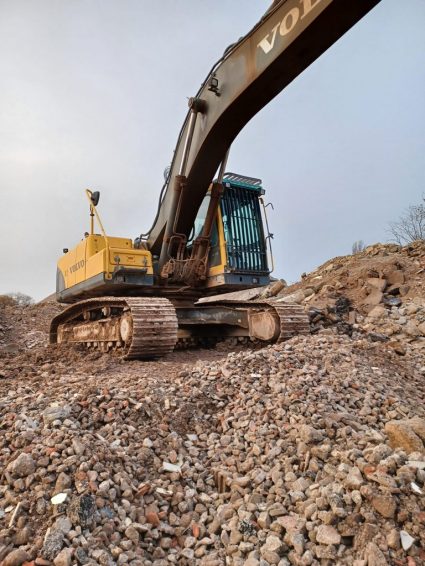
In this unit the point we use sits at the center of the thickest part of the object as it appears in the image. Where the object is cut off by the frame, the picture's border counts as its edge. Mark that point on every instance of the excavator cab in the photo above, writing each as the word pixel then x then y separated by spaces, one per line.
pixel 238 255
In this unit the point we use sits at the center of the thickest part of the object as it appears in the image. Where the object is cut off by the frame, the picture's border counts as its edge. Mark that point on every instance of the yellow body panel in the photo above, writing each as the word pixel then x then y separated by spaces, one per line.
pixel 80 262
pixel 218 269
pixel 133 259
pixel 96 254
pixel 95 264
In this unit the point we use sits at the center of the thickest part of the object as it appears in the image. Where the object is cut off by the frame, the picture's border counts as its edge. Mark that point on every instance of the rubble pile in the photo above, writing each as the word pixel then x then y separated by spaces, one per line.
pixel 379 291
pixel 305 452
pixel 24 327
pixel 308 452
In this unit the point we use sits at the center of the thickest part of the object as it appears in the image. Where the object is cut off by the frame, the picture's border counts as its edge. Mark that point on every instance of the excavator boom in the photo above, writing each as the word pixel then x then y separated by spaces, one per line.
pixel 291 35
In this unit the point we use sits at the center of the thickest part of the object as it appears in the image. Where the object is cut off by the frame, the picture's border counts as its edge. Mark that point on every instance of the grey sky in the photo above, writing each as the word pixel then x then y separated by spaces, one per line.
pixel 93 94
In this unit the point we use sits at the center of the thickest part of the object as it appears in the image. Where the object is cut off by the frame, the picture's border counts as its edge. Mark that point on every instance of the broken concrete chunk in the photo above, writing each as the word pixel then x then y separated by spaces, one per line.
pixel 326 534
pixel 22 466
pixel 58 498
pixel 418 426
pixel 385 505
pixel 374 555
pixel 81 510
pixel 401 435
pixel 406 540
pixel 16 558
pixel 55 413
pixel 377 283
pixel 395 277
pixel 296 298
pixel 374 298
pixel 378 312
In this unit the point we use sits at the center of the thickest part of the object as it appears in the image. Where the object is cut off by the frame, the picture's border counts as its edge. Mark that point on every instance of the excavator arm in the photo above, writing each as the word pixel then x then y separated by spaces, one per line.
pixel 290 36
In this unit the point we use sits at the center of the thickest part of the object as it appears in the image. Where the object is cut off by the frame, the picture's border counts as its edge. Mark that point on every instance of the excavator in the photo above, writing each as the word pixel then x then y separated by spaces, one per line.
pixel 172 284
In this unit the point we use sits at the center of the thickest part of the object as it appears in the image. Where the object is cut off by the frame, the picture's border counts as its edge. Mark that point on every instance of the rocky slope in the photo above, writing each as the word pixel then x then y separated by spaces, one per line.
pixel 380 291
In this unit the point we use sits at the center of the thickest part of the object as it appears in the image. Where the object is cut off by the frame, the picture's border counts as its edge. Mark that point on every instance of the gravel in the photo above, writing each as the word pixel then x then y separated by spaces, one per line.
pixel 305 452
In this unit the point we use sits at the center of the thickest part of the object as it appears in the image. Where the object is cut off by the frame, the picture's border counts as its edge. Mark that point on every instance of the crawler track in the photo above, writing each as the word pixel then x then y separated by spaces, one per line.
pixel 147 328
pixel 293 320
pixel 143 328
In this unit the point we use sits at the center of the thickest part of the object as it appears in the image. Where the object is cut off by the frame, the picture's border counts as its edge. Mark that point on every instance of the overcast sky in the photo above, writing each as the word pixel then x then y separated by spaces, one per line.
pixel 93 94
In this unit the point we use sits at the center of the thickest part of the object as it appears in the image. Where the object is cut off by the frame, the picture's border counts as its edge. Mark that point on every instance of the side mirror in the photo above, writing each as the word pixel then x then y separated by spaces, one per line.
pixel 65 250
pixel 94 197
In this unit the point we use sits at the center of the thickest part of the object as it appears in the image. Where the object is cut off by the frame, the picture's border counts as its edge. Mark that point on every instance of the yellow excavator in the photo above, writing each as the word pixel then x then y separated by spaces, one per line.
pixel 210 234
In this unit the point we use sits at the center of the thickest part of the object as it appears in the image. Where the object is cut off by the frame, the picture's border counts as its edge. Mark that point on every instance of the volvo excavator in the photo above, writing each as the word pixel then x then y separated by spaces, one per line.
pixel 210 235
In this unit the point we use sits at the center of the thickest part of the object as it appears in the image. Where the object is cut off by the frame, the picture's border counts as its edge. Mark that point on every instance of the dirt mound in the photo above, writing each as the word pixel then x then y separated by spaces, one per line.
pixel 24 327
pixel 380 290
